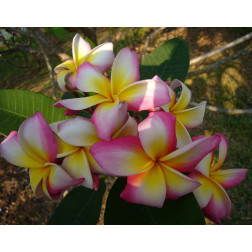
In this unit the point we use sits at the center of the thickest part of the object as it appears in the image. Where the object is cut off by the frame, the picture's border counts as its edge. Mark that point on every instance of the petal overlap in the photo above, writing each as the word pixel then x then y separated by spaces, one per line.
pixel 146 188
pixel 219 205
pixel 12 151
pixel 125 70
pixel 78 131
pixel 187 157
pixel 80 49
pixel 122 156
pixel 157 134
pixel 145 94
pixel 101 56
pixel 106 114
pixel 81 103
pixel 184 98
pixel 78 167
pixel 192 117
pixel 37 139
pixel 177 184
pixel 90 79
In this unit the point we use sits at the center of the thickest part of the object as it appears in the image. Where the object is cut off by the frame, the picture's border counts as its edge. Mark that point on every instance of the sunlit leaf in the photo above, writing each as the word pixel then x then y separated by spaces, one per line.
pixel 18 105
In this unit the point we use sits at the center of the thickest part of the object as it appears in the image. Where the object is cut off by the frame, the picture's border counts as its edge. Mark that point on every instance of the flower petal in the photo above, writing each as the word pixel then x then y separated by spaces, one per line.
pixel 128 129
pixel 67 65
pixel 145 94
pixel 77 166
pixel 81 103
pixel 61 79
pixel 12 151
pixel 223 148
pixel 36 177
pixel 147 188
pixel 183 137
pixel 72 79
pixel 157 134
pixel 125 69
pixel 90 79
pixel 228 178
pixel 122 117
pixel 104 118
pixel 54 126
pixel 184 98
pixel 177 184
pixel 37 139
pixel 78 131
pixel 101 56
pixel 122 156
pixel 80 49
pixel 59 180
pixel 203 193
pixel 94 167
pixel 64 149
pixel 172 94
pixel 192 117
pixel 204 165
pixel 187 157
pixel 219 205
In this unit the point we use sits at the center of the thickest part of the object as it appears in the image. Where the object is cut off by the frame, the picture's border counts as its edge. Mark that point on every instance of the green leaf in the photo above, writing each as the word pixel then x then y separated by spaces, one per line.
pixel 183 211
pixel 81 206
pixel 18 105
pixel 169 61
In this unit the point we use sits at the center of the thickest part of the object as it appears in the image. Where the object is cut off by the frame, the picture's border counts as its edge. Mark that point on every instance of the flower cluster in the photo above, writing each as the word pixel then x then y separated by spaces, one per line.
pixel 158 156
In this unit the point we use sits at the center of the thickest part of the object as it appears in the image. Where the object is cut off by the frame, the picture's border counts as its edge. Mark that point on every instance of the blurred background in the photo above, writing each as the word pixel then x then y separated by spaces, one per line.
pixel 29 55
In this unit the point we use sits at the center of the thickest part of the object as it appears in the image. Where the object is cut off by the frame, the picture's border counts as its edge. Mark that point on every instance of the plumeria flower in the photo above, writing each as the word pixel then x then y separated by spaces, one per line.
pixel 152 162
pixel 124 86
pixel 211 195
pixel 186 118
pixel 34 147
pixel 77 135
pixel 101 57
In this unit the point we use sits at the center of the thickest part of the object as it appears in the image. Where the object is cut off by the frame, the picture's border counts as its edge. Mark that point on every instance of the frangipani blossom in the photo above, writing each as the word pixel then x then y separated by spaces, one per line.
pixel 185 118
pixel 101 57
pixel 124 86
pixel 35 147
pixel 77 135
pixel 154 166
pixel 211 195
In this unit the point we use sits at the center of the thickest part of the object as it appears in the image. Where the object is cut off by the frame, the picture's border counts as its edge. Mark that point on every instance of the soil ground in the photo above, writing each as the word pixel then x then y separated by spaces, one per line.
pixel 230 86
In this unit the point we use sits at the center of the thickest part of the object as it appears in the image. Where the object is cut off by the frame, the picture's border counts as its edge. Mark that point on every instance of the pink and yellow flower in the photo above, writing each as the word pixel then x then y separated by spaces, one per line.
pixel 186 118
pixel 35 147
pixel 75 137
pixel 124 86
pixel 101 57
pixel 154 166
pixel 211 195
